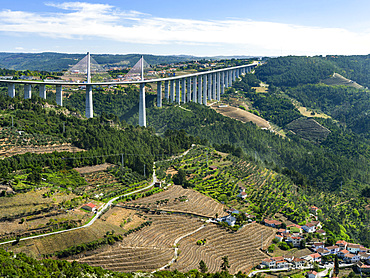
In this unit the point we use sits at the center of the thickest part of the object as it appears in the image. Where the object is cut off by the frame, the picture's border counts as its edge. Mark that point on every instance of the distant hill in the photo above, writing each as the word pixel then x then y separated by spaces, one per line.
pixel 52 61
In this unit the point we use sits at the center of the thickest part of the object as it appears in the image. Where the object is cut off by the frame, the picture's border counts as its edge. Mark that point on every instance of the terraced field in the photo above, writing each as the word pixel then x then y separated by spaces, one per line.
pixel 178 199
pixel 147 249
pixel 241 247
pixel 152 247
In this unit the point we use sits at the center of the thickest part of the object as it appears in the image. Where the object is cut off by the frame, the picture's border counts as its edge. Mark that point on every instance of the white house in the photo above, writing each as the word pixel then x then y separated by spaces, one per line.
pixel 309 228
pixel 333 249
pixel 352 258
pixel 269 262
pixel 298 262
pixel 353 248
pixel 230 220
pixel 342 253
pixel 342 244
pixel 318 245
pixel 312 274
pixel 296 240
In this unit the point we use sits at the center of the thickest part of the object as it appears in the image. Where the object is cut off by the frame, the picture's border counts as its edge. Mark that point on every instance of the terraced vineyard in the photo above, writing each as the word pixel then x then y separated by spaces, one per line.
pixel 152 247
pixel 147 249
pixel 178 199
pixel 241 248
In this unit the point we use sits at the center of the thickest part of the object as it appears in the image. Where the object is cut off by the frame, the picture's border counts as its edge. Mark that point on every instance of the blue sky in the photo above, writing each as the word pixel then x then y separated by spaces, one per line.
pixel 201 28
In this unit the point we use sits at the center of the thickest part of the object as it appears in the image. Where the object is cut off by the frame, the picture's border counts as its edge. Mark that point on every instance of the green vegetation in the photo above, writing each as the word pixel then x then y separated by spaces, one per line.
pixel 270 194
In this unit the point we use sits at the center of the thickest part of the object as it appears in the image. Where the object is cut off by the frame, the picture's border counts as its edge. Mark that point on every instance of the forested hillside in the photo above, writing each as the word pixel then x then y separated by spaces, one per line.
pixel 104 138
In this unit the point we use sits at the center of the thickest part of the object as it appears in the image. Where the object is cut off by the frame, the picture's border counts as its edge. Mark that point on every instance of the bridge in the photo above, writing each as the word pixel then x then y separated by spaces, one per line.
pixel 199 87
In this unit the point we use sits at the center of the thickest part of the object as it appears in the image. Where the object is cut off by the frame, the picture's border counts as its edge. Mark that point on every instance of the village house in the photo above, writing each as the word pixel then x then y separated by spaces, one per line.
pixel 315 257
pixel 342 253
pixel 242 195
pixel 309 228
pixel 298 262
pixel 279 238
pixel 351 258
pixel 311 274
pixel 321 232
pixel 272 223
pixel 323 252
pixel 314 209
pixel 318 245
pixel 90 207
pixel 353 248
pixel 363 268
pixel 295 240
pixel 269 263
pixel 342 244
pixel 333 249
pixel 229 219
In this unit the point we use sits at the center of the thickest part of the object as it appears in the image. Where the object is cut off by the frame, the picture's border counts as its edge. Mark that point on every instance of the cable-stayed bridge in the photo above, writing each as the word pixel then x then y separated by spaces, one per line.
pixel 199 87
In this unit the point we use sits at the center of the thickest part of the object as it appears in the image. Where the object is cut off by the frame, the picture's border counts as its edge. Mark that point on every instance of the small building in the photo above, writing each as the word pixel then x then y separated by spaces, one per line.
pixel 342 244
pixel 353 248
pixel 269 262
pixel 311 274
pixel 158 184
pixel 309 228
pixel 315 257
pixel 318 245
pixel 333 249
pixel 90 207
pixel 243 195
pixel 295 240
pixel 279 238
pixel 229 219
pixel 298 262
pixel 272 223
pixel 321 232
pixel 363 268
pixel 351 258
pixel 342 253
pixel 314 209
pixel 323 252
pixel 212 167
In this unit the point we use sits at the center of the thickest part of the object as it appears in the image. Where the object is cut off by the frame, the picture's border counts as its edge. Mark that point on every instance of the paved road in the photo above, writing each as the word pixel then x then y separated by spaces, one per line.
pixel 108 204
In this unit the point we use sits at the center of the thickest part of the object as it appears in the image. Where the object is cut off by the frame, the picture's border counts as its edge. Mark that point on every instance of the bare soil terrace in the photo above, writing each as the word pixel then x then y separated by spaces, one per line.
pixel 241 115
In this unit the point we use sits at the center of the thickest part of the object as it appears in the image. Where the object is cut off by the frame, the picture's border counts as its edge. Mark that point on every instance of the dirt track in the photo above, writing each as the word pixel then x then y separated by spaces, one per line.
pixel 241 115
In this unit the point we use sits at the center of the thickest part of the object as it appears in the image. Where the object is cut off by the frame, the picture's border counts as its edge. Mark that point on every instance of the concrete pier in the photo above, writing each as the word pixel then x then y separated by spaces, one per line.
pixel 195 89
pixel 178 91
pixel 226 79
pixel 222 83
pixel 189 89
pixel 89 113
pixel 183 88
pixel 159 94
pixel 27 91
pixel 200 100
pixel 166 94
pixel 204 89
pixel 42 91
pixel 230 74
pixel 214 86
pixel 142 112
pixel 218 86
pixel 11 90
pixel 59 95
pixel 172 90
pixel 209 85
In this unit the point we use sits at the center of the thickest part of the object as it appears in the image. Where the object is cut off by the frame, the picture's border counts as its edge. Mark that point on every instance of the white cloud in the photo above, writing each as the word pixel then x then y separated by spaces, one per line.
pixel 78 20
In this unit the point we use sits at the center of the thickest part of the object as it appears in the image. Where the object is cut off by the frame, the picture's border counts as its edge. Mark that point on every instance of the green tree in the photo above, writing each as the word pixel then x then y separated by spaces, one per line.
pixel 225 264
pixel 203 267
